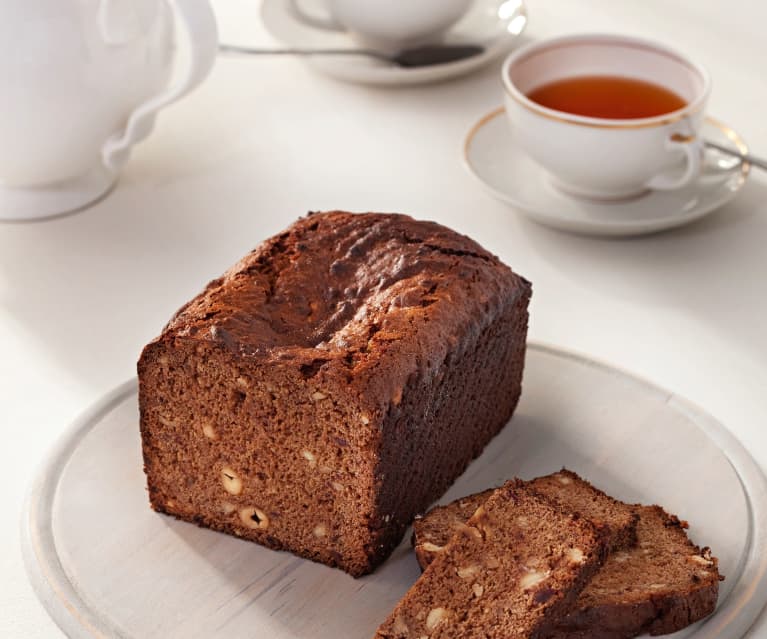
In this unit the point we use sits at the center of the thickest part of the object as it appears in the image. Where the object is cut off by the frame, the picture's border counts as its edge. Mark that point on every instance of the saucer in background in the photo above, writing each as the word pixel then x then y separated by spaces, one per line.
pixel 508 173
pixel 493 24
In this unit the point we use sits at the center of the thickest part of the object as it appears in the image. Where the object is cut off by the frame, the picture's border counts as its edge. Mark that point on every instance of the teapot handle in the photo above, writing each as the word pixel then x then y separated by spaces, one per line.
pixel 197 18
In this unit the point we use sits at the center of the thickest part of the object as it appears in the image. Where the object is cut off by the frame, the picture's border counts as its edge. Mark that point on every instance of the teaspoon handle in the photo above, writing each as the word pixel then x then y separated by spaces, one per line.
pixel 237 49
pixel 745 157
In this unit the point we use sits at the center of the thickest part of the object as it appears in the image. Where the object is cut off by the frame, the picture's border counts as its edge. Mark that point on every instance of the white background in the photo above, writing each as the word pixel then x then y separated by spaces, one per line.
pixel 265 140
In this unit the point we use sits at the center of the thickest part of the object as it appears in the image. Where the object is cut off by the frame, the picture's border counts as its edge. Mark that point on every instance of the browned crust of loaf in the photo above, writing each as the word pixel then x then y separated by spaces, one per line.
pixel 427 292
pixel 438 310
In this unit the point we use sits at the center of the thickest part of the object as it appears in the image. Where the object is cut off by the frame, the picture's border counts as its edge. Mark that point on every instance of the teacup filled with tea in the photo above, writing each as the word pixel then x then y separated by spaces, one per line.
pixel 608 116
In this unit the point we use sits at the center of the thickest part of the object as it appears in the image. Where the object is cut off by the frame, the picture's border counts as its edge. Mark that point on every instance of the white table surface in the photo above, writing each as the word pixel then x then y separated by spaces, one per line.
pixel 263 141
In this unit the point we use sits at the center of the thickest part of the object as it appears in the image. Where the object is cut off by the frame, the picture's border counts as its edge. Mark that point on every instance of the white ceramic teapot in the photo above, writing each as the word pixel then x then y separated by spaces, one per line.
pixel 81 81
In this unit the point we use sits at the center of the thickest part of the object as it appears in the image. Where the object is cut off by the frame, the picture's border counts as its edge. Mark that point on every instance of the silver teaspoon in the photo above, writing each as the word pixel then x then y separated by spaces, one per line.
pixel 744 157
pixel 408 58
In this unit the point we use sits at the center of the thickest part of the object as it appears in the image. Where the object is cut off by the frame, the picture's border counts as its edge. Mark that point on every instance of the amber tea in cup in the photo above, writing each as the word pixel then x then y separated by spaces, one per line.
pixel 607 96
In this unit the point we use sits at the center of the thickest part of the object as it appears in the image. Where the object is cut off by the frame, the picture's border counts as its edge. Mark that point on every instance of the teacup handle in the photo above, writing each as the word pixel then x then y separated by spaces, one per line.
pixel 197 18
pixel 692 146
pixel 313 20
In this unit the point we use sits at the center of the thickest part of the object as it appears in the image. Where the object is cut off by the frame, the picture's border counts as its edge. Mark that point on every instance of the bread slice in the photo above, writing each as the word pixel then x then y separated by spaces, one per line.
pixel 661 585
pixel 512 571
pixel 565 488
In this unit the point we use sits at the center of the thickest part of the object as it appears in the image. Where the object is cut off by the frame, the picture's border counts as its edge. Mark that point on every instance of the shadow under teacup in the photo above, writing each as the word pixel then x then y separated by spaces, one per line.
pixel 588 153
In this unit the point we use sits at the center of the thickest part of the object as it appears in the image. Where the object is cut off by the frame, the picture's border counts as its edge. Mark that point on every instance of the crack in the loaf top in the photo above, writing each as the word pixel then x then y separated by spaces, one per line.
pixel 330 280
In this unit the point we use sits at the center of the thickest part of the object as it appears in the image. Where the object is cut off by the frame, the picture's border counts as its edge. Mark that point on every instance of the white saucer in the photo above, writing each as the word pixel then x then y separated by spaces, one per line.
pixel 494 24
pixel 508 173
pixel 105 565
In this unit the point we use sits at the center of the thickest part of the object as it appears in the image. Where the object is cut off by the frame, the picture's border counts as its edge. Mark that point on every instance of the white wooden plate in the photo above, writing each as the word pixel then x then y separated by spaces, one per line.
pixel 105 565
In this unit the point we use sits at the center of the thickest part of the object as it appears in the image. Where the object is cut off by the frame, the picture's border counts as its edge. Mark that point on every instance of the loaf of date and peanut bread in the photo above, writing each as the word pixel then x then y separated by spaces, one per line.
pixel 332 384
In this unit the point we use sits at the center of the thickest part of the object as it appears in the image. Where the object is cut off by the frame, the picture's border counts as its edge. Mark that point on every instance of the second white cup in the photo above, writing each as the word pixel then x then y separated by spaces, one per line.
pixel 388 26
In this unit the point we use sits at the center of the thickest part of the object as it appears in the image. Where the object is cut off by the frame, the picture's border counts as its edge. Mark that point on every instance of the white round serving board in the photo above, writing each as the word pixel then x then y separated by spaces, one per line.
pixel 105 565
